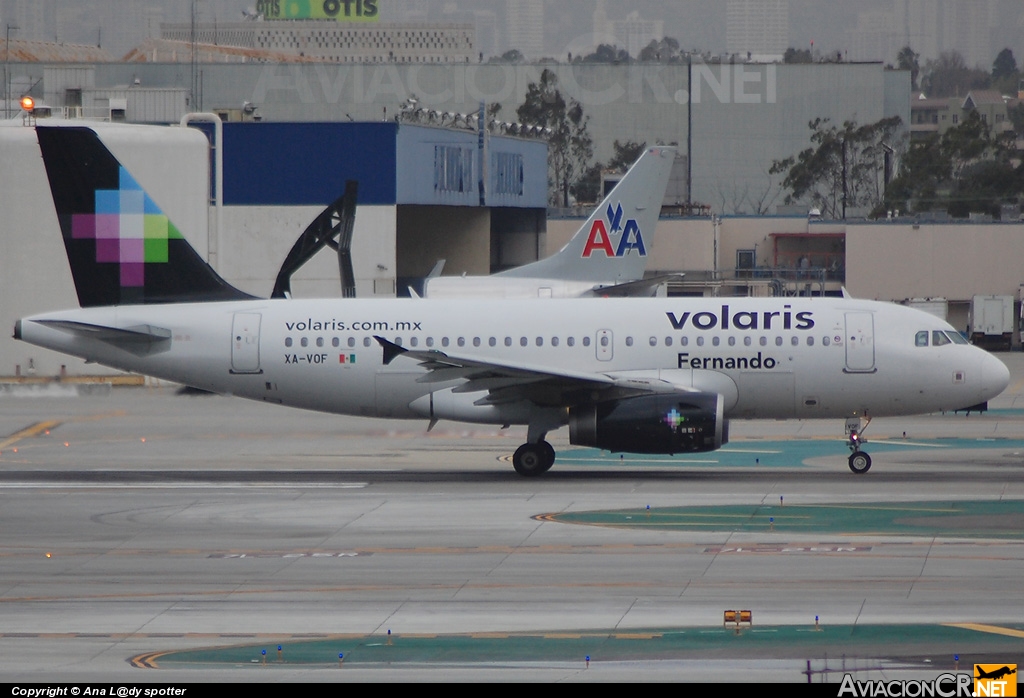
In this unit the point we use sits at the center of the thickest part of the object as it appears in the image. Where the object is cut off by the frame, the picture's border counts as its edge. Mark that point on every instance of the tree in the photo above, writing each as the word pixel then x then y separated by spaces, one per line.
pixel 606 53
pixel 793 55
pixel 949 76
pixel 966 169
pixel 844 168
pixel 907 59
pixel 1004 65
pixel 625 155
pixel 665 50
pixel 570 147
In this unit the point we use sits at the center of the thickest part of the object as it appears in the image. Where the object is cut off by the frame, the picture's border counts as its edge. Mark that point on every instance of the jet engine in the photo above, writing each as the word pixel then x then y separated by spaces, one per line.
pixel 664 423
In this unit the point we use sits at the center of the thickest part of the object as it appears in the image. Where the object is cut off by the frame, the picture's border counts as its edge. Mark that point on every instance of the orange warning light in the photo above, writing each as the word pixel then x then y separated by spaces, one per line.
pixel 28 104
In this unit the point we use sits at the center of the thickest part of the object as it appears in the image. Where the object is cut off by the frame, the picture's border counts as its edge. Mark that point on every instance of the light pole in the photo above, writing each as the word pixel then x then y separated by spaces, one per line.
pixel 7 70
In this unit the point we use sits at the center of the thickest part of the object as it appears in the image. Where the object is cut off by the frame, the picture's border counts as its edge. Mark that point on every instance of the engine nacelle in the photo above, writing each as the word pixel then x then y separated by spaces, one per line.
pixel 667 423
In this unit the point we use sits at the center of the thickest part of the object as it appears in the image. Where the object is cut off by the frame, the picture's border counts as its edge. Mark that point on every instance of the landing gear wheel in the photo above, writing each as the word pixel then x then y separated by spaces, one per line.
pixel 860 462
pixel 531 460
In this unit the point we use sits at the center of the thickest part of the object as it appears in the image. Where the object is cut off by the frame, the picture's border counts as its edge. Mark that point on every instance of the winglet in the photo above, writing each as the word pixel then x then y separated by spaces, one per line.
pixel 391 350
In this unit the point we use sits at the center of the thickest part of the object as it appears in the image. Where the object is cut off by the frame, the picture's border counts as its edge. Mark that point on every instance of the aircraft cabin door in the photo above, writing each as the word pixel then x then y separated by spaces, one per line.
pixel 604 345
pixel 860 342
pixel 245 343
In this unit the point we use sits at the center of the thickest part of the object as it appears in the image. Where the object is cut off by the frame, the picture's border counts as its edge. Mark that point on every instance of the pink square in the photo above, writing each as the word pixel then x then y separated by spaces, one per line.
pixel 132 250
pixel 132 274
pixel 108 225
pixel 83 226
pixel 108 250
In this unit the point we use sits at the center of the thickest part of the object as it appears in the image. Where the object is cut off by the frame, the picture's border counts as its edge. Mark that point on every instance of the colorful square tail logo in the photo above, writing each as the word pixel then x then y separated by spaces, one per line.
pixel 995 680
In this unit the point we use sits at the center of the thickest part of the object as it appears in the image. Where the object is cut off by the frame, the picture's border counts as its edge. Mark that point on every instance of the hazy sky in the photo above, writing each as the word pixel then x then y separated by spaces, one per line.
pixel 864 28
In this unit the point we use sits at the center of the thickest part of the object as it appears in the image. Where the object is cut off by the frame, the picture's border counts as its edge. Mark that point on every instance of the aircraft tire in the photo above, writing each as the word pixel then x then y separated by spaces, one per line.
pixel 531 460
pixel 860 462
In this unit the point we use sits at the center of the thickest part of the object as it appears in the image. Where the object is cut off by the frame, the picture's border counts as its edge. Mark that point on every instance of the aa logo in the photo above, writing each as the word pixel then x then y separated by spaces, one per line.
pixel 600 238
pixel 995 680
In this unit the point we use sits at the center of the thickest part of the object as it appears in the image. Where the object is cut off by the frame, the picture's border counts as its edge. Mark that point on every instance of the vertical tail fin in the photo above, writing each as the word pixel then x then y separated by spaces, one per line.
pixel 614 242
pixel 121 247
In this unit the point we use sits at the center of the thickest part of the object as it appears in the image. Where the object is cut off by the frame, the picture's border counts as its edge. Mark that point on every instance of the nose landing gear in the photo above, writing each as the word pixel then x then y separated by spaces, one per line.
pixel 860 462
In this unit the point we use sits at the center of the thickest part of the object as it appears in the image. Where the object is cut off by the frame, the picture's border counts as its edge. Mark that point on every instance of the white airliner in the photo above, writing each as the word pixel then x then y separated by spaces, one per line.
pixel 652 375
pixel 605 257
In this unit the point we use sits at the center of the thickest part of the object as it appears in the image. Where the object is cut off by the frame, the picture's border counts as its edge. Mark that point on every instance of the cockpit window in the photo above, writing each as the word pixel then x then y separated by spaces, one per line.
pixel 956 337
pixel 921 339
pixel 939 338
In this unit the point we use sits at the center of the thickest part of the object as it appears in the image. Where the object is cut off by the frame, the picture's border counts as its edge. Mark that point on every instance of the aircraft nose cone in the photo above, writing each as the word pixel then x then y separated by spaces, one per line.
pixel 995 376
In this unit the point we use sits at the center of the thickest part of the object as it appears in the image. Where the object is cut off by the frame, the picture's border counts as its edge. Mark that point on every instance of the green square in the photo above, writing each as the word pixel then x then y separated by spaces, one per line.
pixel 156 249
pixel 154 227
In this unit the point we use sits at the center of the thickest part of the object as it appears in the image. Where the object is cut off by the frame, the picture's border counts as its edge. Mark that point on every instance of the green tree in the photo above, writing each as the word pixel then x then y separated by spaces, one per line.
pixel 793 55
pixel 843 169
pixel 570 147
pixel 625 155
pixel 966 169
pixel 949 76
pixel 664 50
pixel 907 59
pixel 606 53
pixel 1004 65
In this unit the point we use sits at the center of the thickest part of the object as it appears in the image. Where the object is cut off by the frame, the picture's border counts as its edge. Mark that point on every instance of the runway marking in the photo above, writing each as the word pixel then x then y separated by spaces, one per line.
pixel 33 430
pixel 994 629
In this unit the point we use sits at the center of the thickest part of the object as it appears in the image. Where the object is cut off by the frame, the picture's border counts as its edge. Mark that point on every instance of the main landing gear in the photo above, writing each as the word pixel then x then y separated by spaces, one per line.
pixel 860 462
pixel 533 459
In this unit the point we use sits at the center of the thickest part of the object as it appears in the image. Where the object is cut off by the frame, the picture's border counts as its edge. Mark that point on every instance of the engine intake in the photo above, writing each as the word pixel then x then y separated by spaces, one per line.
pixel 673 423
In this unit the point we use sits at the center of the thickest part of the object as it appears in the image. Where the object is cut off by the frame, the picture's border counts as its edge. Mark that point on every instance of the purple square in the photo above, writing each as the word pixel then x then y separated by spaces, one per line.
pixel 132 250
pixel 108 225
pixel 108 250
pixel 132 274
pixel 83 226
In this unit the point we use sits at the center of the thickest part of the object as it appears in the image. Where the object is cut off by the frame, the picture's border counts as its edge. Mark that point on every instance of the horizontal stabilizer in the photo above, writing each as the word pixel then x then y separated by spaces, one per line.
pixel 140 340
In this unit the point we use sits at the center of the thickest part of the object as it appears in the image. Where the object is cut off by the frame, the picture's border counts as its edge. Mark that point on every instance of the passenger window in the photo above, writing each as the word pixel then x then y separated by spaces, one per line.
pixel 794 340
pixel 554 341
pixel 939 338
pixel 508 341
pixel 540 341
pixel 492 342
pixel 462 341
pixel 810 341
pixel 416 340
pixel 747 341
pixel 732 341
pixel 287 341
pixel 684 341
pixel 586 341
pixel 763 341
pixel 778 341
pixel 444 341
pixel 430 342
pixel 366 341
pixel 715 340
pixel 523 341
pixel 700 341
pixel 629 341
pixel 476 341
pixel 668 341
pixel 304 342
pixel 604 341
pixel 654 341
pixel 921 339
pixel 319 341
pixel 571 341
pixel 352 341
pixel 825 341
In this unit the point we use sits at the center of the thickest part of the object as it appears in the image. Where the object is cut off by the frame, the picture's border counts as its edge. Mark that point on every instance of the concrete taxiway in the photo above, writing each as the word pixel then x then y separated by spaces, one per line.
pixel 137 522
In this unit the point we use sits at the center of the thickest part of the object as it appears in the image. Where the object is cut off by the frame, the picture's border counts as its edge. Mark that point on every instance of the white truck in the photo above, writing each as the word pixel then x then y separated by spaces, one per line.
pixel 992 321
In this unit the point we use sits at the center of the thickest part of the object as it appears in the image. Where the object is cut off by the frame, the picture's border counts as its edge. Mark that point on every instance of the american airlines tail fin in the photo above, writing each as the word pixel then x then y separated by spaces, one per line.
pixel 612 246
pixel 121 247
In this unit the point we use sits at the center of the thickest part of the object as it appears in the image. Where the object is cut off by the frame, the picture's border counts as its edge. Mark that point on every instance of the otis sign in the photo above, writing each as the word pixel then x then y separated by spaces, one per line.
pixel 600 238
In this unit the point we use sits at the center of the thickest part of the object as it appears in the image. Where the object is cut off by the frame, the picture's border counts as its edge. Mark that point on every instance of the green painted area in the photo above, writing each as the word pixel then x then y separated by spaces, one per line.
pixel 757 453
pixel 661 643
pixel 956 519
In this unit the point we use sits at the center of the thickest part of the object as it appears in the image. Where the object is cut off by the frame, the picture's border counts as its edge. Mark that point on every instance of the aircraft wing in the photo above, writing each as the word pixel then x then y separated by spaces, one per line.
pixel 507 382
pixel 640 288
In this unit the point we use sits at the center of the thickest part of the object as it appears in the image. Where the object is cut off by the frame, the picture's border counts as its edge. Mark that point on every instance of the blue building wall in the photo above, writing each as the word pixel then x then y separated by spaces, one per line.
pixel 307 163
